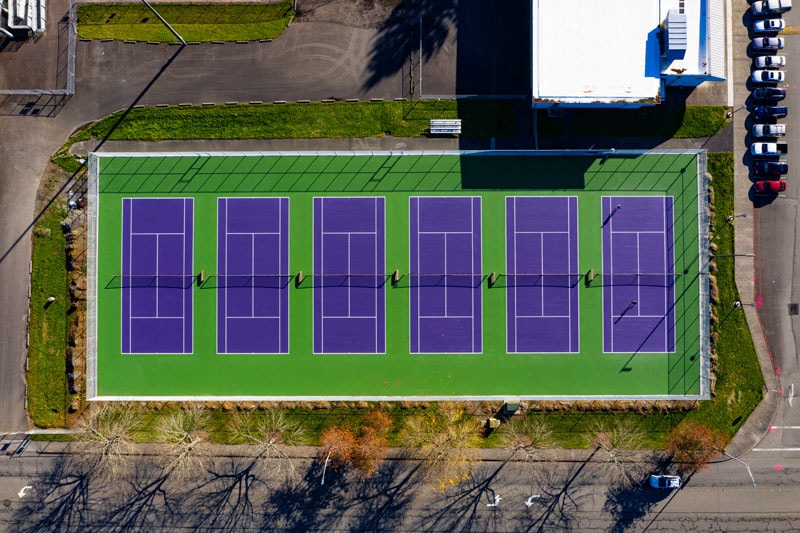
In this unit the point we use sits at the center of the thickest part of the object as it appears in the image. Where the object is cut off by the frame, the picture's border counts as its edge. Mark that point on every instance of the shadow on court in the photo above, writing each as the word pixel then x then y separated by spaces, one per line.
pixel 523 173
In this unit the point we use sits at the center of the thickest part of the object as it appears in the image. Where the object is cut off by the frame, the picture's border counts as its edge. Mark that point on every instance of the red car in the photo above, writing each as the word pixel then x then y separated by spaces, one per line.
pixel 769 186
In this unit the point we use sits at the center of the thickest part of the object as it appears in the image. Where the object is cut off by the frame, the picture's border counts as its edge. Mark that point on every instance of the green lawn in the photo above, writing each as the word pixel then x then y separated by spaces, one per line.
pixel 662 121
pixel 194 22
pixel 740 384
pixel 48 397
pixel 305 121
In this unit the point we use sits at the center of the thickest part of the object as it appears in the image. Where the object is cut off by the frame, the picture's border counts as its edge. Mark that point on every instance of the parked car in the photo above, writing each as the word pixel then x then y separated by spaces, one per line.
pixel 665 482
pixel 770 169
pixel 764 112
pixel 770 61
pixel 768 25
pixel 768 43
pixel 768 7
pixel 767 76
pixel 769 93
pixel 769 149
pixel 769 130
pixel 769 186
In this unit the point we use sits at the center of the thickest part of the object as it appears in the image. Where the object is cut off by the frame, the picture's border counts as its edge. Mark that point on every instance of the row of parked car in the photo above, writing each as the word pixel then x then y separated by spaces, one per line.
pixel 768 168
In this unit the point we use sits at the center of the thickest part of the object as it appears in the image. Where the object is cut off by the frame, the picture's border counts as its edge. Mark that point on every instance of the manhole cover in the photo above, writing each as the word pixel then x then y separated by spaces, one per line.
pixel 794 309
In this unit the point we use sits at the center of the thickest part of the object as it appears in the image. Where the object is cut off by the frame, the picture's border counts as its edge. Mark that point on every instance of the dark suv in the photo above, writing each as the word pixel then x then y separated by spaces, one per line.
pixel 770 169
pixel 769 93
pixel 764 112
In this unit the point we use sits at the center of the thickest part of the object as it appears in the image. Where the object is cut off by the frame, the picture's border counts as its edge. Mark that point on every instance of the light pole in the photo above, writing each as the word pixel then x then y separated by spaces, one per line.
pixel 747 466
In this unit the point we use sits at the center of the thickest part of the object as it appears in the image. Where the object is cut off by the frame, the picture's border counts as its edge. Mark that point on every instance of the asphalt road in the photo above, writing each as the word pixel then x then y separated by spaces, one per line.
pixel 775 242
pixel 236 494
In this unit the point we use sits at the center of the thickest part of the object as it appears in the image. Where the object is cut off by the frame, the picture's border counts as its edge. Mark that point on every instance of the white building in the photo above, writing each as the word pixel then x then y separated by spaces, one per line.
pixel 589 53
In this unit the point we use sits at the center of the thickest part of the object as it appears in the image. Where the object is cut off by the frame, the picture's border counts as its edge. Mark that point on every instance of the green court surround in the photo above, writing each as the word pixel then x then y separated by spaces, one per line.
pixel 398 374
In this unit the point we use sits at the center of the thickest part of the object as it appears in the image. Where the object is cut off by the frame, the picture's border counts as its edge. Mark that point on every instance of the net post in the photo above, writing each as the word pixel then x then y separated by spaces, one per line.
pixel 395 277
pixel 298 279
pixel 492 279
pixel 201 277
pixel 589 278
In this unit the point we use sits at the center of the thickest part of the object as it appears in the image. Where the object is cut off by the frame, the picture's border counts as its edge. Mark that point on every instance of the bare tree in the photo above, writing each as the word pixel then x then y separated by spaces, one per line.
pixel 270 432
pixel 181 431
pixel 107 438
pixel 621 442
pixel 446 438
pixel 527 437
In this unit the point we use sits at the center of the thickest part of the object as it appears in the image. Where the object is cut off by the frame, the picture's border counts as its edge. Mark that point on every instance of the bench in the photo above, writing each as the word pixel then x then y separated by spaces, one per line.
pixel 445 126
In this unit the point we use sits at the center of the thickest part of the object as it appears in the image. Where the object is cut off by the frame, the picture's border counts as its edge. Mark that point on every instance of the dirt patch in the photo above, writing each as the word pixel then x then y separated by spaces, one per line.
pixel 355 13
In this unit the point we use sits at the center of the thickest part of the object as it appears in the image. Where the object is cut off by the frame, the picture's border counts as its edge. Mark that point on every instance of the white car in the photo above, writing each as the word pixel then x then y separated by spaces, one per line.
pixel 768 7
pixel 769 130
pixel 768 25
pixel 768 43
pixel 665 482
pixel 770 61
pixel 767 76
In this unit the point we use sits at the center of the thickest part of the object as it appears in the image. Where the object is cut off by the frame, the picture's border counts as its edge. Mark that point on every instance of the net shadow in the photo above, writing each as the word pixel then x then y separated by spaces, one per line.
pixel 466 281
pixel 151 282
pixel 563 281
pixel 258 281
pixel 347 281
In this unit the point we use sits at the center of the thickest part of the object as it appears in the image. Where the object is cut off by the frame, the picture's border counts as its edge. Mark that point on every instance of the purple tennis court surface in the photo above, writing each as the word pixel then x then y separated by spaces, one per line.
pixel 445 274
pixel 157 275
pixel 349 275
pixel 638 274
pixel 253 275
pixel 542 280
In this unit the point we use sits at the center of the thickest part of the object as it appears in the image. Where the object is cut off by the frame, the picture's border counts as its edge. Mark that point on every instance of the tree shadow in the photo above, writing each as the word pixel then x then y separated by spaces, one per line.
pixel 383 498
pixel 224 501
pixel 629 504
pixel 399 37
pixel 60 502
pixel 559 500
pixel 307 505
pixel 470 505
pixel 152 503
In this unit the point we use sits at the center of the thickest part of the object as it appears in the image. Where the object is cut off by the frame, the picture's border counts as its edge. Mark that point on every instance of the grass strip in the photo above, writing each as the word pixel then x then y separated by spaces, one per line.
pixel 194 22
pixel 740 385
pixel 662 121
pixel 48 396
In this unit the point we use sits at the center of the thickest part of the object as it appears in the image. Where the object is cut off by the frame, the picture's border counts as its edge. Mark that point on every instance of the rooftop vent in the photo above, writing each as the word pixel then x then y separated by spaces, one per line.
pixel 675 29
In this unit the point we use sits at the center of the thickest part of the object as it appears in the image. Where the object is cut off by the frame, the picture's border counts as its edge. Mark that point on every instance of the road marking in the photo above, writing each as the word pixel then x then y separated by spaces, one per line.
pixel 791 393
pixel 776 449
pixel 786 427
pixel 21 492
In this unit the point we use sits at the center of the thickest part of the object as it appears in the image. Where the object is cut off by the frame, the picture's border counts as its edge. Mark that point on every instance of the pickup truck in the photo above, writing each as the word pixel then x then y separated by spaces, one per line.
pixel 769 130
pixel 769 7
pixel 769 149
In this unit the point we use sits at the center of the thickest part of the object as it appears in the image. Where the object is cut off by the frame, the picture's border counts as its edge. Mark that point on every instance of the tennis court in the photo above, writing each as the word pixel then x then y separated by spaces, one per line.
pixel 638 298
pixel 349 275
pixel 542 274
pixel 445 274
pixel 390 276
pixel 157 269
pixel 253 275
